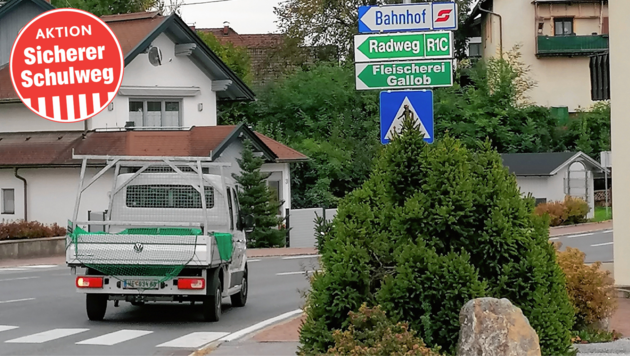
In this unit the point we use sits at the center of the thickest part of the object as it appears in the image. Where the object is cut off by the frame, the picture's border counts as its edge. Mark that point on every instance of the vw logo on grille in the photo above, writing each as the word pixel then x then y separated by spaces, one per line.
pixel 138 247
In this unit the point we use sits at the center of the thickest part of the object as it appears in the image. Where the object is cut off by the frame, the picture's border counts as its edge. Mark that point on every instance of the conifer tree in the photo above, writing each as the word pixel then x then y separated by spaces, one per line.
pixel 257 199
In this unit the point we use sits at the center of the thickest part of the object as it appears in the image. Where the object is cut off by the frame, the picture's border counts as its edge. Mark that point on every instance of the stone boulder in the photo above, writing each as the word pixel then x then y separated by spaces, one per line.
pixel 495 327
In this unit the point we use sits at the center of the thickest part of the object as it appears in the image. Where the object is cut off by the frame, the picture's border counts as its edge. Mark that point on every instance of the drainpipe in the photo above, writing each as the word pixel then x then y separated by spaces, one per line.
pixel 25 194
pixel 500 29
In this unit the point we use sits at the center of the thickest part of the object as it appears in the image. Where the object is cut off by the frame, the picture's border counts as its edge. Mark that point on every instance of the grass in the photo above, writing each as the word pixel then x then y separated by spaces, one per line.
pixel 594 336
pixel 600 214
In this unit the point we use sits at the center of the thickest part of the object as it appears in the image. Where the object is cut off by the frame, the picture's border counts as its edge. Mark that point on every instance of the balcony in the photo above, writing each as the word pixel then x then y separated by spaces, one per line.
pixel 569 46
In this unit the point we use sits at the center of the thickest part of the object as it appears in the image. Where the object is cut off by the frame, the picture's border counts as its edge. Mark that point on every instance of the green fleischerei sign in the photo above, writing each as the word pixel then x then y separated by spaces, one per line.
pixel 419 74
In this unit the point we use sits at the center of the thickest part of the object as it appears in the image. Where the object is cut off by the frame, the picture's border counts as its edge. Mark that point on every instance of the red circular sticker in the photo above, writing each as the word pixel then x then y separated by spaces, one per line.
pixel 66 65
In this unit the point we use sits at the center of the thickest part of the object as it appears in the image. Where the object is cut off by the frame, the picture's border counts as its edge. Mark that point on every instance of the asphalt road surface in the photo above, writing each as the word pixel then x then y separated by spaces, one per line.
pixel 42 314
pixel 598 246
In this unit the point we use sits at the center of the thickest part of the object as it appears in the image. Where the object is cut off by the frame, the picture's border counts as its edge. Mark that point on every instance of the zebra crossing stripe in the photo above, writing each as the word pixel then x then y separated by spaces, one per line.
pixel 115 338
pixel 7 327
pixel 46 336
pixel 194 340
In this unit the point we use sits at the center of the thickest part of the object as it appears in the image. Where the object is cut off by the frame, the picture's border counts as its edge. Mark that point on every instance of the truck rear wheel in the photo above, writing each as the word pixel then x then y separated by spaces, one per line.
pixel 212 300
pixel 96 305
pixel 212 305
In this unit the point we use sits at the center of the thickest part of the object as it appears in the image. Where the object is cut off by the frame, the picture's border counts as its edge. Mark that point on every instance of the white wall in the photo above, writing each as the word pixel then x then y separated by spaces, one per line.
pixel 561 81
pixel 620 130
pixel 537 186
pixel 16 117
pixel 174 72
pixel 234 150
pixel 52 194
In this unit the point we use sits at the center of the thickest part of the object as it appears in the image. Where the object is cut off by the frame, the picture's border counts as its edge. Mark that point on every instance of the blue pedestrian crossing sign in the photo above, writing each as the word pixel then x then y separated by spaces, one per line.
pixel 420 104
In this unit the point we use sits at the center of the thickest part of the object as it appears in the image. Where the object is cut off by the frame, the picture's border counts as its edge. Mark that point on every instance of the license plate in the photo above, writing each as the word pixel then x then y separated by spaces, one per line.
pixel 140 284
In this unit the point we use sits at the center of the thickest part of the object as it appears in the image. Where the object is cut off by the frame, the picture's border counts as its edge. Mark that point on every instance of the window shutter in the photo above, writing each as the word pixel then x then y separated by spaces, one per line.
pixel 605 25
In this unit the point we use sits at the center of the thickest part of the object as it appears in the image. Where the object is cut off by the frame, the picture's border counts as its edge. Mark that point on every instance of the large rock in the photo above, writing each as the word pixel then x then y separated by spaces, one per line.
pixel 495 327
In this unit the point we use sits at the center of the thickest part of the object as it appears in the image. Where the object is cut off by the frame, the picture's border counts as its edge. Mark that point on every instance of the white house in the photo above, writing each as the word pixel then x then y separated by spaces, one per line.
pixel 556 38
pixel 553 176
pixel 168 109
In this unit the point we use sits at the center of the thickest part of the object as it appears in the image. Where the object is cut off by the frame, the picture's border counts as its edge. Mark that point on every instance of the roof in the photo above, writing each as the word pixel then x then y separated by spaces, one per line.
pixel 24 149
pixel 544 164
pixel 11 4
pixel 136 32
pixel 132 29
pixel 251 41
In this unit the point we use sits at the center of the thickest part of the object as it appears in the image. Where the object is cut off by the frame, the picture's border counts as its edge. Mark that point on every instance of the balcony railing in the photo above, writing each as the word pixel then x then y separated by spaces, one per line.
pixel 571 45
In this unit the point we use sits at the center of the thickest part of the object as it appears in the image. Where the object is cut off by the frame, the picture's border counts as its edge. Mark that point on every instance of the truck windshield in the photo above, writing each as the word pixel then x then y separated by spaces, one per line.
pixel 167 196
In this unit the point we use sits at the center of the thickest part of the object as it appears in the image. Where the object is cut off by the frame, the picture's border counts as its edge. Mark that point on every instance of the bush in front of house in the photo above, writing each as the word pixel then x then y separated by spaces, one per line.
pixel 20 229
pixel 437 210
pixel 570 211
pixel 591 289
pixel 371 332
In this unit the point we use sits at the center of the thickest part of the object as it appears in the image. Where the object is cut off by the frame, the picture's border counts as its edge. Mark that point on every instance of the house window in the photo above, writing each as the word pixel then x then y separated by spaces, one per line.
pixel 8 201
pixel 540 201
pixel 563 26
pixel 274 187
pixel 155 113
pixel 474 50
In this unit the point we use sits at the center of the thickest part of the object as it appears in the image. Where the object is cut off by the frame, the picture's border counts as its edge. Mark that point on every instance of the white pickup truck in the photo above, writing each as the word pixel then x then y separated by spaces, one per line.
pixel 159 240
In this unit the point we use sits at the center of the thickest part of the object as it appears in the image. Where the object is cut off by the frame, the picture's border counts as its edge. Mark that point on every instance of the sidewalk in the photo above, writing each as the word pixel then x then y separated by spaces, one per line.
pixel 581 228
pixel 277 340
pixel 283 339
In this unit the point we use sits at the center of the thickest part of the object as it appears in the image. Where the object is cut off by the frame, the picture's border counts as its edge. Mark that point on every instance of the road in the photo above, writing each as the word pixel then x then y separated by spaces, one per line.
pixel 41 314
pixel 598 246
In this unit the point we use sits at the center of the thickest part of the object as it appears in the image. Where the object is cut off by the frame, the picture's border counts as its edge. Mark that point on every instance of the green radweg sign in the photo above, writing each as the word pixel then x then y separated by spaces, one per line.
pixel 401 75
pixel 403 46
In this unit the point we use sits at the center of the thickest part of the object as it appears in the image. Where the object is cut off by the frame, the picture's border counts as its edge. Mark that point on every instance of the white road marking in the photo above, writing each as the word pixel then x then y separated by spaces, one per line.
pixel 7 327
pixel 16 300
pixel 262 324
pixel 17 279
pixel 293 273
pixel 253 260
pixel 41 266
pixel 554 238
pixel 580 235
pixel 602 244
pixel 46 336
pixel 196 339
pixel 12 269
pixel 299 257
pixel 607 232
pixel 115 337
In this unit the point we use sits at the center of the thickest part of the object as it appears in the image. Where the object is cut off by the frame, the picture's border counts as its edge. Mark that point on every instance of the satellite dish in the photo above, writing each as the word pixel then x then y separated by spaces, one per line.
pixel 155 56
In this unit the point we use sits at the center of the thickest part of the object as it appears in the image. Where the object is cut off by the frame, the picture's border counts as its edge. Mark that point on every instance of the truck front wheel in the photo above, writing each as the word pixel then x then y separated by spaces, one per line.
pixel 96 305
pixel 239 299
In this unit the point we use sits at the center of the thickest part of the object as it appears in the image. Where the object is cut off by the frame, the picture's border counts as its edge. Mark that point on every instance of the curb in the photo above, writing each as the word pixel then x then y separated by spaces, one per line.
pixel 237 335
pixel 583 224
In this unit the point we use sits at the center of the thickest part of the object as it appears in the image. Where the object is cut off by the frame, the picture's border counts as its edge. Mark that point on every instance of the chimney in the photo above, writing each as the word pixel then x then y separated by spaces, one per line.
pixel 226 28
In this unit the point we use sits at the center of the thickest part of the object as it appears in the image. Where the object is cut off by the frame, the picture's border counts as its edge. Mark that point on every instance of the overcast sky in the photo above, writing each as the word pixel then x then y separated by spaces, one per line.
pixel 245 16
